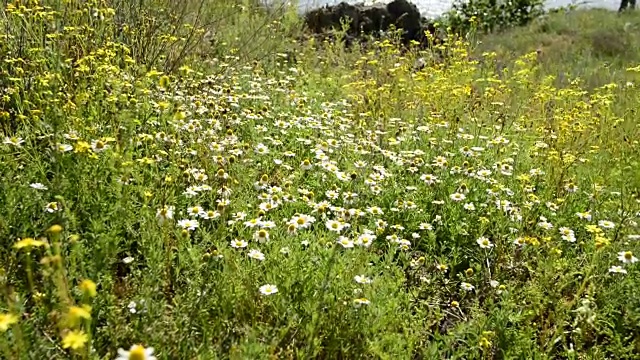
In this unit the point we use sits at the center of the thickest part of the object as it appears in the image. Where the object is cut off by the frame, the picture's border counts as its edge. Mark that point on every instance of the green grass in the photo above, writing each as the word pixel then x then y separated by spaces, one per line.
pixel 482 207
pixel 596 45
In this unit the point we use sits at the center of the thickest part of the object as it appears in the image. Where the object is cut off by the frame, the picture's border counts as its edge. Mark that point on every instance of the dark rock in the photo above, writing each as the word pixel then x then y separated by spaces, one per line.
pixel 375 19
pixel 407 17
pixel 371 20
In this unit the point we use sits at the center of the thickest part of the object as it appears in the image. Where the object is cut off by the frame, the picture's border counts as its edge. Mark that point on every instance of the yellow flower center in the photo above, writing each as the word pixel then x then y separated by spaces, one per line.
pixel 137 353
pixel 628 255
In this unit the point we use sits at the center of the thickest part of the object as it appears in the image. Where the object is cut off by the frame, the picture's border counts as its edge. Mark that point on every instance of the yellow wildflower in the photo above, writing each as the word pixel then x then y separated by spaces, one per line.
pixel 55 229
pixel 594 229
pixel 76 314
pixel 601 242
pixel 74 340
pixel 28 243
pixel 88 287
pixel 82 147
pixel 484 343
pixel 7 320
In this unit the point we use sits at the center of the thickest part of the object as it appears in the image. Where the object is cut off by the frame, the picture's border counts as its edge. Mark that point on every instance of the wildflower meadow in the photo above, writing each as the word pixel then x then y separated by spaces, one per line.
pixel 192 180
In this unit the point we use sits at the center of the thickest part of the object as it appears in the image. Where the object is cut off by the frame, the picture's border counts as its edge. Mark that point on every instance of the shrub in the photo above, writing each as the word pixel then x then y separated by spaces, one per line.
pixel 492 15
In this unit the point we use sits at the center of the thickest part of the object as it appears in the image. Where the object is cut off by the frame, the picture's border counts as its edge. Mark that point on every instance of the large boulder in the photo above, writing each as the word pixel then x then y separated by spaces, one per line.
pixel 371 19
pixel 407 17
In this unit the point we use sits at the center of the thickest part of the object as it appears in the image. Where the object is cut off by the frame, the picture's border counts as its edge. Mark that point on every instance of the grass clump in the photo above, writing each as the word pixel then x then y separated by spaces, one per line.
pixel 307 202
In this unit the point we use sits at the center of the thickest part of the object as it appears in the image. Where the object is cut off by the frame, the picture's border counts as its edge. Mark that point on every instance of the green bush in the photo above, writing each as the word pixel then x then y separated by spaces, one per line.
pixel 492 15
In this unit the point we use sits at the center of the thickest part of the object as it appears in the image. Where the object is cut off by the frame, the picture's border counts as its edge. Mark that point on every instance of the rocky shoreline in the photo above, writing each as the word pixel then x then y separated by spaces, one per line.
pixel 371 20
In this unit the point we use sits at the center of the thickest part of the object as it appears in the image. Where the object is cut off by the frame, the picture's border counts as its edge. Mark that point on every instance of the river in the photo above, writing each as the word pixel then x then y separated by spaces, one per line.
pixel 433 8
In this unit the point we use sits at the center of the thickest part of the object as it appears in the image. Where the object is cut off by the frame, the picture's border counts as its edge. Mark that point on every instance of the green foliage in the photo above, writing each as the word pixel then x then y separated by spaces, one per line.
pixel 593 45
pixel 487 16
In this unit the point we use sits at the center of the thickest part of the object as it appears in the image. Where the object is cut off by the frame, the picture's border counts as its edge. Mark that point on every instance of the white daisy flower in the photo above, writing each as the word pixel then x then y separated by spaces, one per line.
pixel 38 186
pixel 268 289
pixel 615 269
pixel 238 244
pixel 345 242
pixel 466 286
pixel 606 224
pixel 64 147
pixel 261 236
pixel 484 243
pixel 627 257
pixel 334 225
pixel 365 240
pixel 188 224
pixel 166 213
pixel 256 254
pixel 99 146
pixel 15 141
pixel 52 207
pixel 137 352
pixel 361 279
